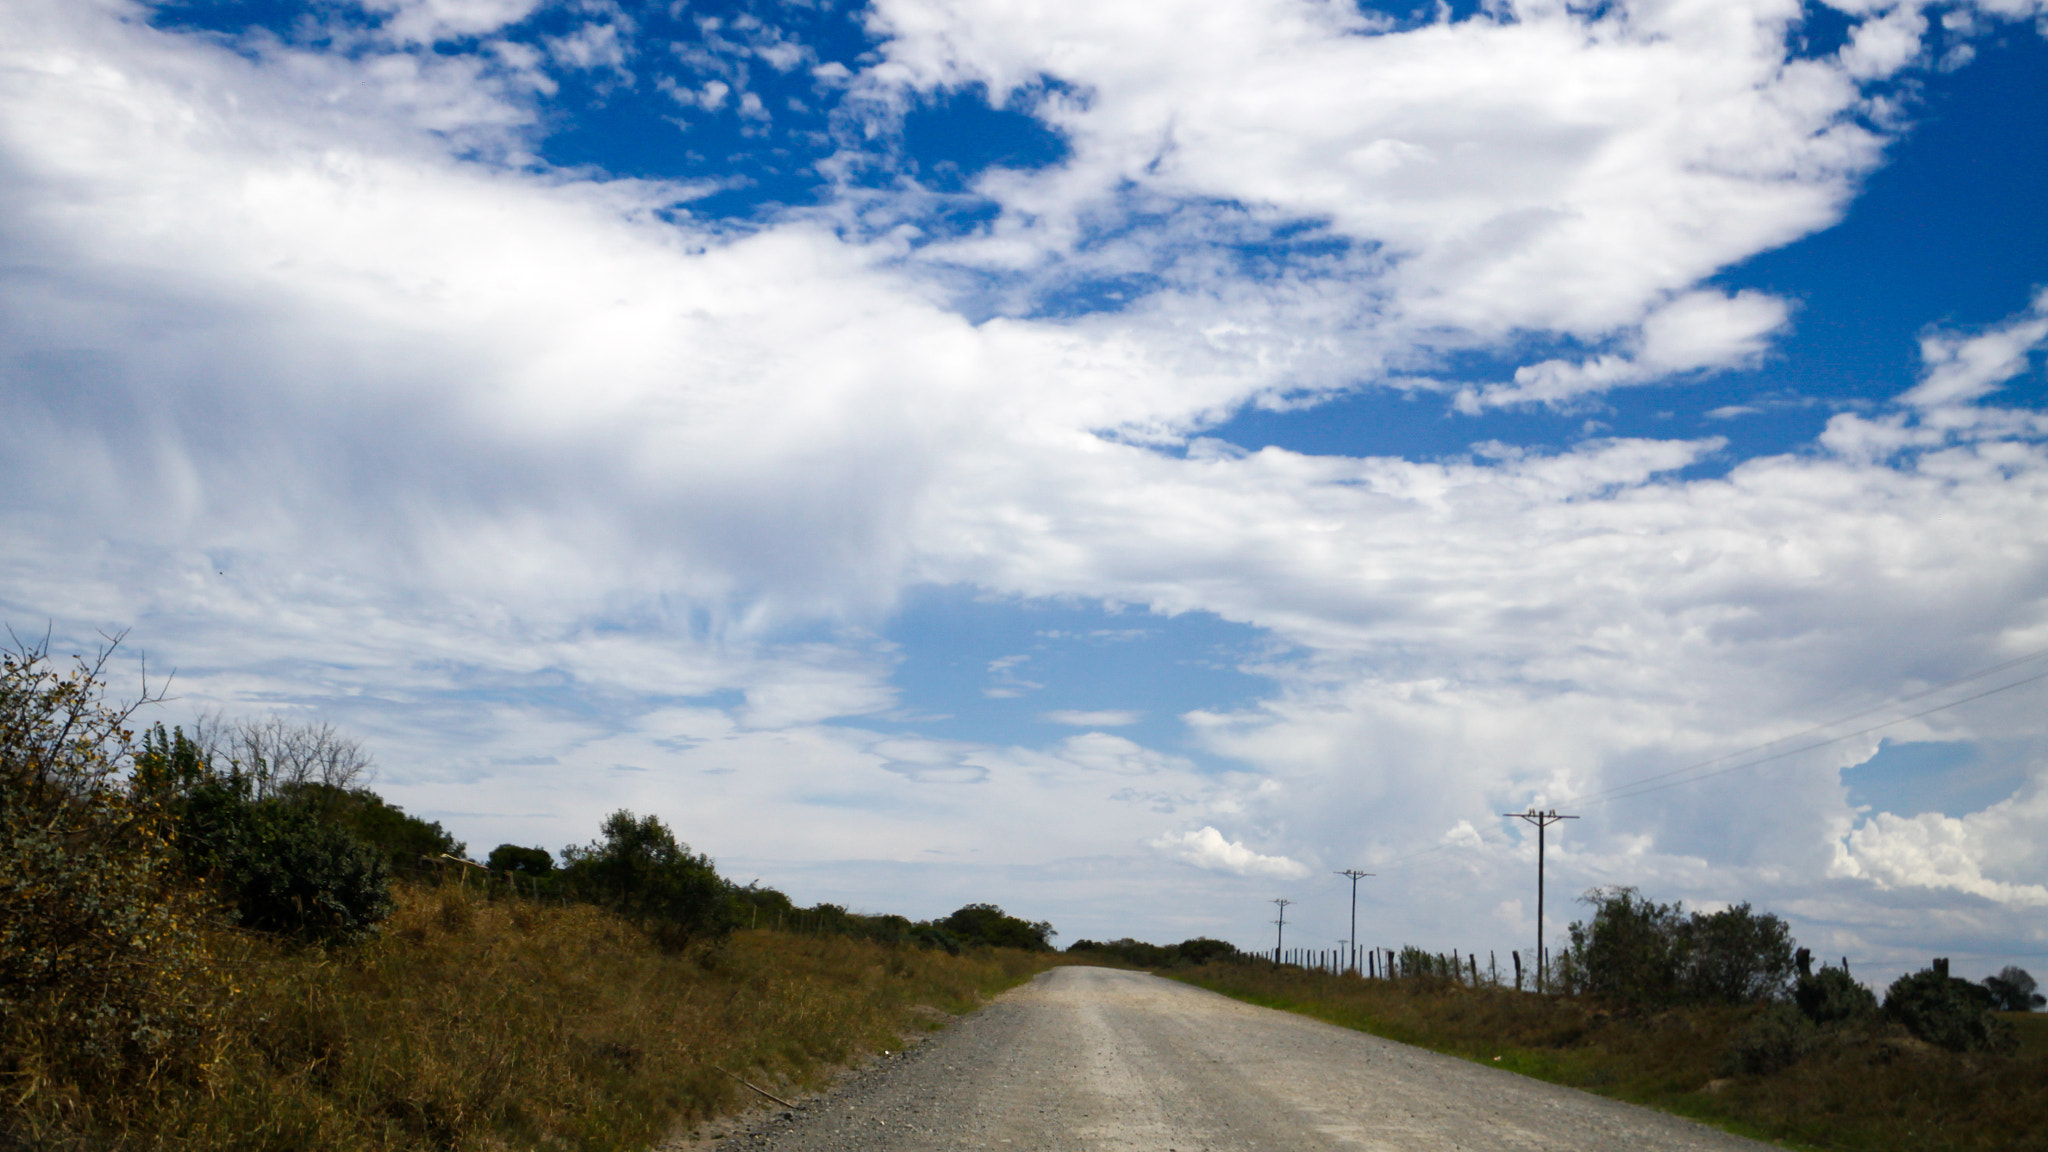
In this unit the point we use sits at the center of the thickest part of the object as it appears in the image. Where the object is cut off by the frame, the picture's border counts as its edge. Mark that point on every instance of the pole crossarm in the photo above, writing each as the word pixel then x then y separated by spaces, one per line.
pixel 1542 821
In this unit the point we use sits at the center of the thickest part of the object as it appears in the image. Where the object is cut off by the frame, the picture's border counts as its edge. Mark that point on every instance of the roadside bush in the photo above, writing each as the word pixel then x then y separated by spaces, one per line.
pixel 1831 996
pixel 639 869
pixel 280 866
pixel 1946 1011
pixel 1187 953
pixel 1632 949
pixel 989 925
pixel 104 977
pixel 404 842
pixel 931 936
pixel 1637 951
pixel 1737 956
pixel 512 859
pixel 1778 1038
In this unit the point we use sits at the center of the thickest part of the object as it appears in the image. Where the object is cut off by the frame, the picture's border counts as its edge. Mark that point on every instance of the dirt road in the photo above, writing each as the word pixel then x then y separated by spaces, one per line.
pixel 1097 1059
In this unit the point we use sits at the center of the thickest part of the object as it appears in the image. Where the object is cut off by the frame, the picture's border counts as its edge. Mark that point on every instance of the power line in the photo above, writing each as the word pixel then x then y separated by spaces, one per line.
pixel 1608 793
pixel 1631 791
pixel 1663 780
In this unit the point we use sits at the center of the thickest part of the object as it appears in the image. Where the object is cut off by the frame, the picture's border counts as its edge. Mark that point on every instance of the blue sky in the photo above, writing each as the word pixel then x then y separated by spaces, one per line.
pixel 1125 461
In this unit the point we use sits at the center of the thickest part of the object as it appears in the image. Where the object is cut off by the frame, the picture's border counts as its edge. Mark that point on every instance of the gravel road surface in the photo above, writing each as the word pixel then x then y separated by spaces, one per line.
pixel 1100 1059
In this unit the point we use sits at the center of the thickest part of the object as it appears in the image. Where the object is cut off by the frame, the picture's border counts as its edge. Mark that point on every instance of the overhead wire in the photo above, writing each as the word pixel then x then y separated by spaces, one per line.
pixel 1677 777
pixel 1595 797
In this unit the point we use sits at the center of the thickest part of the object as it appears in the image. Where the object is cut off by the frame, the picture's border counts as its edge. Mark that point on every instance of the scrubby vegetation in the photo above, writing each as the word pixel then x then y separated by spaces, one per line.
pixel 1719 1017
pixel 224 940
pixel 1137 953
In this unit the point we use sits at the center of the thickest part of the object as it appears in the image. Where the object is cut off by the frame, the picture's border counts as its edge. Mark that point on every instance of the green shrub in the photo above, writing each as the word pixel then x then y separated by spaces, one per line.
pixel 638 868
pixel 1637 951
pixel 280 865
pixel 511 859
pixel 989 925
pixel 405 843
pixel 1831 996
pixel 1778 1038
pixel 1632 949
pixel 1943 1010
pixel 1199 950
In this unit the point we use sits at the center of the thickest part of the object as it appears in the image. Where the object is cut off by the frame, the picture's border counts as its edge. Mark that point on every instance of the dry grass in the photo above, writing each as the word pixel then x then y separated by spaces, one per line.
pixel 473 1024
pixel 1871 1091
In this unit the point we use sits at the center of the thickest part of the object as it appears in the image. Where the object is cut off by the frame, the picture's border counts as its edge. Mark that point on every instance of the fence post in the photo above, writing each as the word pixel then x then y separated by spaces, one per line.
pixel 1517 954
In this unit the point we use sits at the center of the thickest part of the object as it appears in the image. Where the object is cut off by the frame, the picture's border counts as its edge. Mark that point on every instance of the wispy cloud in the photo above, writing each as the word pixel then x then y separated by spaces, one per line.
pixel 1105 719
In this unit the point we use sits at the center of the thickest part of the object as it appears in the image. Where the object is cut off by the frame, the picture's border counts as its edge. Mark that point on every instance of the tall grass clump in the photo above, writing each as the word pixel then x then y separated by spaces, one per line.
pixel 485 1022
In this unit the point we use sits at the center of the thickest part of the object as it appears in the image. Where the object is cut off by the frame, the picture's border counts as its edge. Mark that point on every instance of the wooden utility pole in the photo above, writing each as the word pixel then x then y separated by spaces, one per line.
pixel 1353 942
pixel 1541 820
pixel 1280 940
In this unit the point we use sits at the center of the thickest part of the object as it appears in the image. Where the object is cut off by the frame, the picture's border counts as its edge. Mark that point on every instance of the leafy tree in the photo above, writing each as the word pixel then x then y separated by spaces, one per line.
pixel 640 869
pixel 511 859
pixel 989 925
pixel 1737 956
pixel 2013 989
pixel 1635 950
pixel 1947 1011
pixel 404 841
pixel 1632 950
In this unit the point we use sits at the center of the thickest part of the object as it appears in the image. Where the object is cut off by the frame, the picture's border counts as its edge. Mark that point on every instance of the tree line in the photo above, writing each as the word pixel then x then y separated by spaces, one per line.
pixel 1637 952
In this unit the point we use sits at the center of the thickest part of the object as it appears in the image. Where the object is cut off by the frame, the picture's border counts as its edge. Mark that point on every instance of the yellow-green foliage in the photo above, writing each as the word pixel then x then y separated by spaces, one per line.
pixel 501 1023
pixel 1869 1088
pixel 105 985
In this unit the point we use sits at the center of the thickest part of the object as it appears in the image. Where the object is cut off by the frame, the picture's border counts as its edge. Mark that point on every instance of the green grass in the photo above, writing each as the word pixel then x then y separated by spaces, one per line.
pixel 1866 1091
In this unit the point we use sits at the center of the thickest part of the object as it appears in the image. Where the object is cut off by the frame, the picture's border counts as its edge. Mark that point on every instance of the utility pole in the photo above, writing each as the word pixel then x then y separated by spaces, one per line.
pixel 1351 957
pixel 1280 940
pixel 1541 820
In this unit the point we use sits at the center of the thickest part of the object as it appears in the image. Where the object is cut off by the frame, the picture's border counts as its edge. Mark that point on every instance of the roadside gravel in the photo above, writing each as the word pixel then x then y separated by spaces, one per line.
pixel 1104 1060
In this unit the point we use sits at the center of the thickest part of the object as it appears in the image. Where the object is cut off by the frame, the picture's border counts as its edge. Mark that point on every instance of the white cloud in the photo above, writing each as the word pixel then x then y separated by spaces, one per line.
pixel 1696 331
pixel 1967 854
pixel 1551 172
pixel 1207 848
pixel 1102 752
pixel 432 21
pixel 1961 369
pixel 1101 719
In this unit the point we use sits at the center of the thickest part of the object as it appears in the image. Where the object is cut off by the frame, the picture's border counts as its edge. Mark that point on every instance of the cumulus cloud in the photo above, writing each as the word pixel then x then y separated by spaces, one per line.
pixel 1532 167
pixel 1207 848
pixel 1978 854
pixel 1696 331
